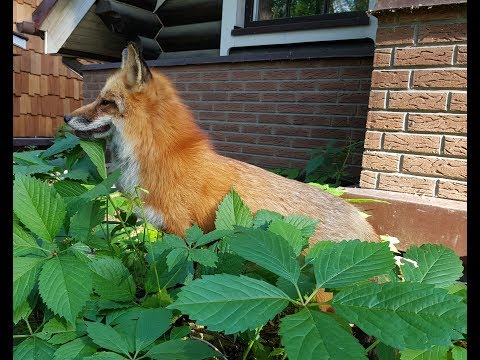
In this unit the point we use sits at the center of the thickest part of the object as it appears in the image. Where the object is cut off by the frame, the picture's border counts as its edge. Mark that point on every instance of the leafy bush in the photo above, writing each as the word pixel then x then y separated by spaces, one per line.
pixel 94 281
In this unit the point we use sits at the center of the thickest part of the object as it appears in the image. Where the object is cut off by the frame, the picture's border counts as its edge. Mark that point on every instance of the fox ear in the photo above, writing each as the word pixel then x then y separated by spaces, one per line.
pixel 136 70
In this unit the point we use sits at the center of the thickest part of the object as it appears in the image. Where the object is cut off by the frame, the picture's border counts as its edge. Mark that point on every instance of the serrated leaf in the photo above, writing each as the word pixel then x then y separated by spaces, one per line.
pixel 211 236
pixel 77 174
pixel 348 262
pixel 112 280
pixel 67 143
pixel 385 352
pixel 306 285
pixel 32 169
pixel 34 349
pixel 38 206
pixel 174 241
pixel 268 250
pixel 314 335
pixel 180 332
pixel 264 217
pixel 316 249
pixel 107 337
pixel 127 329
pixel 230 303
pixel 176 257
pixel 68 188
pixel 25 275
pixel 228 263
pixel 105 355
pixel 86 218
pixel 193 234
pixel 436 353
pixel 423 314
pixel 58 331
pixel 29 157
pixel 306 225
pixel 458 288
pixel 182 350
pixel 437 265
pixel 24 244
pixel 206 257
pixel 232 211
pixel 24 310
pixel 151 324
pixel 65 284
pixel 291 233
pixel 459 353
pixel 75 350
pixel 96 152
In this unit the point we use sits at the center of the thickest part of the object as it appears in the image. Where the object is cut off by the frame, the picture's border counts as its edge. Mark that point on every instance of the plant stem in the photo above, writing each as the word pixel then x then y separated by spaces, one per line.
pixel 20 336
pixel 311 296
pixel 211 345
pixel 29 327
pixel 299 294
pixel 251 342
pixel 368 349
pixel 117 211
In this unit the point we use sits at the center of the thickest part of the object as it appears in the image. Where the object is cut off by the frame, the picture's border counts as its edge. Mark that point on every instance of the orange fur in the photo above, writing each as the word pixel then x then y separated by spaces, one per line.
pixel 186 179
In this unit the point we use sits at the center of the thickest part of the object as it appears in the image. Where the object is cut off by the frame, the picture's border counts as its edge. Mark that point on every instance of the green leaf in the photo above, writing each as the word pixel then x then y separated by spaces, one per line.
pixel 268 250
pixel 107 337
pixel 105 355
pixel 230 303
pixel 32 169
pixel 77 174
pixel 87 217
pixel 67 143
pixel 34 349
pixel 151 324
pixel 332 190
pixel 312 334
pixel 24 310
pixel 25 275
pixel 68 188
pixel 423 314
pixel 385 352
pixel 291 233
pixel 75 350
pixel 180 332
pixel 436 353
pixel 437 265
pixel 59 331
pixel 263 218
pixel 29 158
pixel 205 257
pixel 174 241
pixel 193 234
pixel 306 225
pixel 65 284
pixel 348 262
pixel 96 152
pixel 306 284
pixel 25 244
pixel 182 350
pixel 232 211
pixel 211 236
pixel 112 280
pixel 228 263
pixel 38 206
pixel 458 288
pixel 459 353
pixel 315 251
pixel 176 257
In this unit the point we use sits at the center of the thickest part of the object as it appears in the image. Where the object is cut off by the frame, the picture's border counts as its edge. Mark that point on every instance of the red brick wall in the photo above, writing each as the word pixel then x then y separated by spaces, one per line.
pixel 417 123
pixel 271 113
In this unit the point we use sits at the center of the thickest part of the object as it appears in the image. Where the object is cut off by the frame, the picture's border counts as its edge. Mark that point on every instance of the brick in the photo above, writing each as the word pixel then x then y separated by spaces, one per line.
pixel 435 166
pixel 279 74
pixel 261 85
pixel 212 115
pixel 373 140
pixel 228 86
pixel 390 79
pixel 406 184
pixel 423 144
pixel 342 85
pixel 274 119
pixel 454 190
pixel 218 75
pixel 382 57
pixel 444 79
pixel 461 55
pixel 200 105
pixel 458 102
pixel 314 120
pixel 246 75
pixel 329 73
pixel 257 129
pixel 227 106
pixel 352 97
pixel 290 131
pixel 356 72
pixel 417 100
pixel 377 99
pixel 225 127
pixel 397 35
pixel 244 97
pixel 438 123
pixel 368 179
pixel 187 77
pixel 259 107
pixel 333 109
pixel 214 96
pixel 383 120
pixel 197 87
pixel 455 146
pixel 380 161
pixel 242 117
pixel 317 97
pixel 273 140
pixel 447 33
pixel 427 55
pixel 243 138
pixel 299 142
pixel 297 85
pixel 278 97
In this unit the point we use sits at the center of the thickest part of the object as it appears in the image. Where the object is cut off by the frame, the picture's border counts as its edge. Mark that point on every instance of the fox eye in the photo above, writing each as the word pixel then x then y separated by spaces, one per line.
pixel 106 102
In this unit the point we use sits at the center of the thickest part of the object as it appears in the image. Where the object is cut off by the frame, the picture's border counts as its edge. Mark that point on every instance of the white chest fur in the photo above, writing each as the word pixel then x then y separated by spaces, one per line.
pixel 123 157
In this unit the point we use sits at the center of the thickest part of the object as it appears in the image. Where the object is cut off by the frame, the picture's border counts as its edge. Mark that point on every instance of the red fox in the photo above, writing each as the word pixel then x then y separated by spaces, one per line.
pixel 158 146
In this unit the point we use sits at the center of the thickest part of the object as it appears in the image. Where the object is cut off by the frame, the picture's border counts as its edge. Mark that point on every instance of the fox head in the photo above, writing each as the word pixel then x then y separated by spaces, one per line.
pixel 129 96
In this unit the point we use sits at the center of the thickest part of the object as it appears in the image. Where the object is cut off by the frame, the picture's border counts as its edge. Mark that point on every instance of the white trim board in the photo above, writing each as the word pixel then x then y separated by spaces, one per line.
pixel 19 41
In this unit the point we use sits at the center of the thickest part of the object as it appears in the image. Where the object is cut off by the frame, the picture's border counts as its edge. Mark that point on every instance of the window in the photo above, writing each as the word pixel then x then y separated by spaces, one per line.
pixel 264 16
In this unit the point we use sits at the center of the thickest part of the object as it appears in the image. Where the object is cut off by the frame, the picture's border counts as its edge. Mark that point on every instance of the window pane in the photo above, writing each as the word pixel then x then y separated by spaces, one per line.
pixel 278 9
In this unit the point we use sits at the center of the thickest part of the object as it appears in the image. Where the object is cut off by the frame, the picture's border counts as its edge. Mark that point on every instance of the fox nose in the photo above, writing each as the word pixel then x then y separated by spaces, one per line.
pixel 67 118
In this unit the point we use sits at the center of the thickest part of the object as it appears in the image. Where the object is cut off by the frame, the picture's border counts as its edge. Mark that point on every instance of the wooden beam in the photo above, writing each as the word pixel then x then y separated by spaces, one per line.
pixel 205 35
pixel 150 48
pixel 144 4
pixel 174 12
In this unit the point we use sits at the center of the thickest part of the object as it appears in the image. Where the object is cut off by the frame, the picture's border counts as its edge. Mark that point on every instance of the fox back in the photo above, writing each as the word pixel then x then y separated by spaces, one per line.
pixel 158 146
